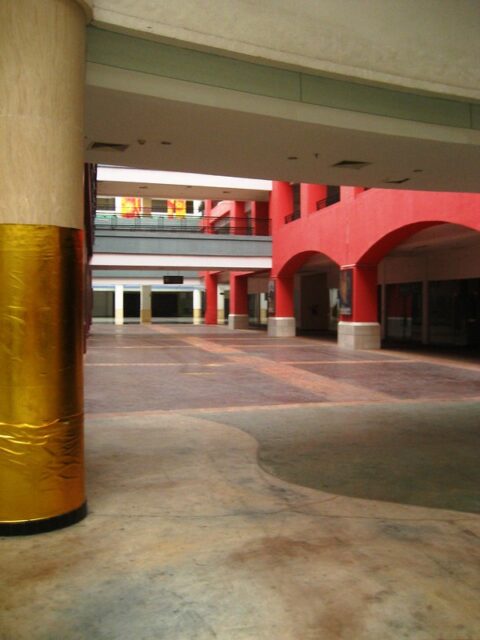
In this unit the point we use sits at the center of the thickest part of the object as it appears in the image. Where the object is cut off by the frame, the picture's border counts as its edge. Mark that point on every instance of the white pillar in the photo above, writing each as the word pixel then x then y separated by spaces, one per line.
pixel 197 306
pixel 146 304
pixel 220 305
pixel 263 308
pixel 119 304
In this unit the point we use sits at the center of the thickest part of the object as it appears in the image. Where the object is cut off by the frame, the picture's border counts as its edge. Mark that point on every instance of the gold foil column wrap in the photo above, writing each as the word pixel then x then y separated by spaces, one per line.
pixel 41 372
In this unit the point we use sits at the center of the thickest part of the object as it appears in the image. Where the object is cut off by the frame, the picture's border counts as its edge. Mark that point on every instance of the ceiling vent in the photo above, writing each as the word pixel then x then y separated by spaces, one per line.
pixel 351 164
pixel 109 146
pixel 401 181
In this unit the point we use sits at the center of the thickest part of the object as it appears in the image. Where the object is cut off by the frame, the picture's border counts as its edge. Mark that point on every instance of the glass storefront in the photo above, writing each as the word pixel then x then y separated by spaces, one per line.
pixel 454 312
pixel 404 312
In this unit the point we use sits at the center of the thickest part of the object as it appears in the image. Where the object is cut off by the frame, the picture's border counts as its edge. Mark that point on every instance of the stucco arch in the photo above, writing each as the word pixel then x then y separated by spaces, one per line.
pixel 382 247
pixel 293 264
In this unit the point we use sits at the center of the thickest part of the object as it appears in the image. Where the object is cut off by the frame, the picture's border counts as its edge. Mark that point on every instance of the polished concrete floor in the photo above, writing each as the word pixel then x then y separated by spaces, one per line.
pixel 249 488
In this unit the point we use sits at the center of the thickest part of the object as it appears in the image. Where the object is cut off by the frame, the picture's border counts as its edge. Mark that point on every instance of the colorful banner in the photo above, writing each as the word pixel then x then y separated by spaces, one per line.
pixel 131 207
pixel 177 208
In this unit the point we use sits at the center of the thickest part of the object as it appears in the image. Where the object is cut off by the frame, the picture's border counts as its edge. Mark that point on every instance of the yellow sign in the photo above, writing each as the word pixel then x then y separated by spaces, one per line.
pixel 131 207
pixel 177 208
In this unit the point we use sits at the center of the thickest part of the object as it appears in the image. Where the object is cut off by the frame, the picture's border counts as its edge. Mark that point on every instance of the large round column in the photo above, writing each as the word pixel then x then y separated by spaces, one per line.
pixel 211 294
pixel 282 323
pixel 359 327
pixel 238 316
pixel 41 264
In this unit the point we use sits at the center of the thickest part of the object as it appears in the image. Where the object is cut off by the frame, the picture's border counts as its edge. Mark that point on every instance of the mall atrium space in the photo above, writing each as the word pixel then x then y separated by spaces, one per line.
pixel 239 320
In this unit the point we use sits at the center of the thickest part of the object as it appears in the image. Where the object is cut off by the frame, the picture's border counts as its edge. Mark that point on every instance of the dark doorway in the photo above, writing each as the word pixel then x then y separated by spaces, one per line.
pixel 454 312
pixel 164 305
pixel 404 312
pixel 131 306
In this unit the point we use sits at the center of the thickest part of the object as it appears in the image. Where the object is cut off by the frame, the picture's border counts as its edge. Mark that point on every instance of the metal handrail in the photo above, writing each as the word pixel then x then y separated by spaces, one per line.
pixel 326 202
pixel 295 215
pixel 191 223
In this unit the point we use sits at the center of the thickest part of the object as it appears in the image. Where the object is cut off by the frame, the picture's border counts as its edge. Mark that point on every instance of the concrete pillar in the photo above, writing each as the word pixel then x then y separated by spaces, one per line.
pixel 119 304
pixel 361 329
pixel 350 193
pixel 310 194
pixel 238 316
pixel 260 219
pixel 281 204
pixel 220 305
pixel 42 78
pixel 211 287
pixel 197 306
pixel 145 304
pixel 207 219
pixel 238 220
pixel 263 308
pixel 282 323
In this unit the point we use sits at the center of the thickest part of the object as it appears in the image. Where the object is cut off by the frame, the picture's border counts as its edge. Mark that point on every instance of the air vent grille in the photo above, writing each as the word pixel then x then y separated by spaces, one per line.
pixel 400 181
pixel 351 164
pixel 109 146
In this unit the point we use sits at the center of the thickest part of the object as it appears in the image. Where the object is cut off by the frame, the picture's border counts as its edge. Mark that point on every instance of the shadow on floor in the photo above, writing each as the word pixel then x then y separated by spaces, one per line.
pixel 417 454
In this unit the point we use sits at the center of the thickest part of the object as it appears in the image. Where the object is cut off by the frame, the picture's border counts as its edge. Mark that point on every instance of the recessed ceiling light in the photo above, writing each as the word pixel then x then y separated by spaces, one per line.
pixel 166 143
pixel 351 164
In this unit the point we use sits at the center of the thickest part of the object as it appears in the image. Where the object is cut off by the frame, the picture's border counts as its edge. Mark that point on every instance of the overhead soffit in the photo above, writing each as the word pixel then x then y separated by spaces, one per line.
pixel 420 46
pixel 160 59
pixel 228 116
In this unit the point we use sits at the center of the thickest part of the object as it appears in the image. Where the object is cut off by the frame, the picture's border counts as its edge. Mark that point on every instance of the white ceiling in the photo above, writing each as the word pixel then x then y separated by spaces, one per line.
pixel 188 192
pixel 221 141
pixel 123 181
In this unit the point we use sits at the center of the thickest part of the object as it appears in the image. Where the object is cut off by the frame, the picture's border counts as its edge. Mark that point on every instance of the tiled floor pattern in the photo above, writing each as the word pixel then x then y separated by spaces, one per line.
pixel 248 488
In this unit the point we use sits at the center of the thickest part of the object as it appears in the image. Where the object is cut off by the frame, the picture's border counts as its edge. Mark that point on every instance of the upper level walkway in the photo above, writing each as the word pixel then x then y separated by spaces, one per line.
pixel 186 250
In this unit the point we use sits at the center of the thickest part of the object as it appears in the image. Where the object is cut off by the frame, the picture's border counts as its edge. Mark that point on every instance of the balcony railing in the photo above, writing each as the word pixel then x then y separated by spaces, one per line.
pixel 190 224
pixel 326 202
pixel 295 215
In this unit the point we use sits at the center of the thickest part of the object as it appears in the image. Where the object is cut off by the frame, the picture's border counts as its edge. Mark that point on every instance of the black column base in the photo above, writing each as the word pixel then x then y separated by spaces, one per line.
pixel 30 527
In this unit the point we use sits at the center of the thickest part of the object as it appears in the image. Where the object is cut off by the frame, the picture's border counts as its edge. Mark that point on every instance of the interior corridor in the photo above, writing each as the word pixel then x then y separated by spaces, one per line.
pixel 243 487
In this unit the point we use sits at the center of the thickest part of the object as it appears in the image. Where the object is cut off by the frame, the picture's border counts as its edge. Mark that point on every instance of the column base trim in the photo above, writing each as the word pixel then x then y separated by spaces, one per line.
pixel 31 527
pixel 359 335
pixel 281 327
pixel 238 321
